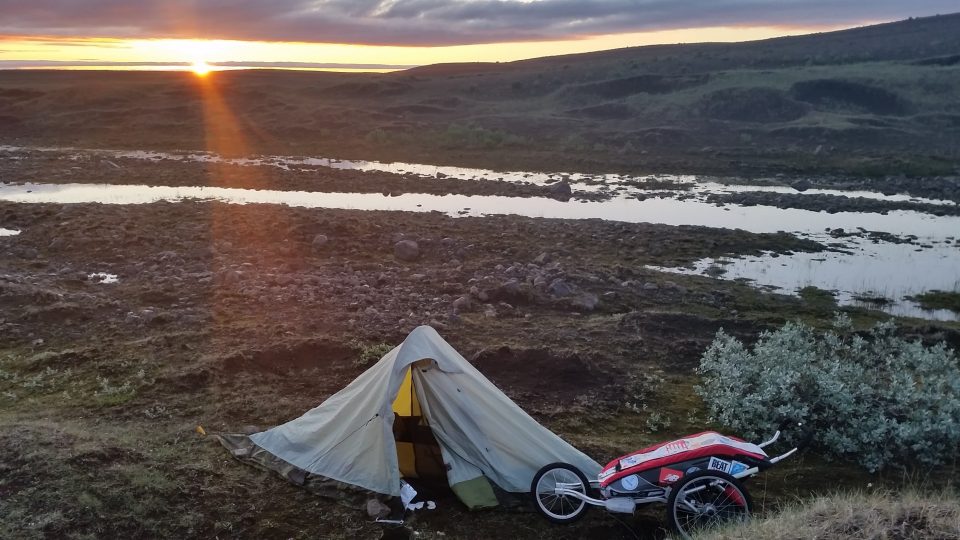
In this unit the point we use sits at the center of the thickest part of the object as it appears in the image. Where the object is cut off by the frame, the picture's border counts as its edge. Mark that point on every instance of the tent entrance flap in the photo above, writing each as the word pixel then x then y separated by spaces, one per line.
pixel 418 453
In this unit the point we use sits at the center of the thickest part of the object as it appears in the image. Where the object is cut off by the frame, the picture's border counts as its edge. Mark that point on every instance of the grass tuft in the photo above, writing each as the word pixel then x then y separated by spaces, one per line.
pixel 857 515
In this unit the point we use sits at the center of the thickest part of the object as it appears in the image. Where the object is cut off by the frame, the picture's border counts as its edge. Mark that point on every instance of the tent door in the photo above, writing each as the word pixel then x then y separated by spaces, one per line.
pixel 418 453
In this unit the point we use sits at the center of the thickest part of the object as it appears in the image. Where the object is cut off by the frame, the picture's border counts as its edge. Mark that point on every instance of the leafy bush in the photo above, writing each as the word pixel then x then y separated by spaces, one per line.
pixel 879 399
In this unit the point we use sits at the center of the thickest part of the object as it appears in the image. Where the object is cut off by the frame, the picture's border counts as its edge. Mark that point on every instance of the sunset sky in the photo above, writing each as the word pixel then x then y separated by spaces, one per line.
pixel 391 34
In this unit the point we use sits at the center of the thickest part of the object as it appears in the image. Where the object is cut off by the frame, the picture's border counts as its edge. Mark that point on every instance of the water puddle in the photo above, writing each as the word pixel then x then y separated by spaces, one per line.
pixel 874 275
pixel 859 268
pixel 621 184
pixel 8 232
pixel 669 211
pixel 103 277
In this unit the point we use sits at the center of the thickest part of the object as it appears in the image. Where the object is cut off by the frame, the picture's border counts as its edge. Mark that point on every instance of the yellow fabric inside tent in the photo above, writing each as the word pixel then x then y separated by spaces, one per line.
pixel 407 405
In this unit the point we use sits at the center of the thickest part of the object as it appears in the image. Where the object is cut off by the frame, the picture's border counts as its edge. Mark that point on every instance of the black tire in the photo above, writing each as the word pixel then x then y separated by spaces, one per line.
pixel 559 508
pixel 715 502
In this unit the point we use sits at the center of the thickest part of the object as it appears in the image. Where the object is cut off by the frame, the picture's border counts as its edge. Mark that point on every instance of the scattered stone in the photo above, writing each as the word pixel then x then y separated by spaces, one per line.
pixel 462 304
pixel 585 301
pixel 377 510
pixel 478 294
pixel 560 288
pixel 320 241
pixel 406 250
pixel 230 277
pixel 542 259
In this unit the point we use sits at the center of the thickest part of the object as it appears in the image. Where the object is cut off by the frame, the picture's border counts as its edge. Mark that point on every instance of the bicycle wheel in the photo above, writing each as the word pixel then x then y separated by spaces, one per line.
pixel 706 499
pixel 560 508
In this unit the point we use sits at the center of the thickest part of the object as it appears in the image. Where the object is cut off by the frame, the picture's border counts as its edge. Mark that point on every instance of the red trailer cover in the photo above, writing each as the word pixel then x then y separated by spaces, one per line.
pixel 708 443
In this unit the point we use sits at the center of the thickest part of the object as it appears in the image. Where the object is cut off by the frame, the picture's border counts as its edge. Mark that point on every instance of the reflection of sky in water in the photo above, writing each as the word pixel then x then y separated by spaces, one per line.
pixel 654 210
pixel 886 270
pixel 579 181
pixel 8 232
pixel 103 277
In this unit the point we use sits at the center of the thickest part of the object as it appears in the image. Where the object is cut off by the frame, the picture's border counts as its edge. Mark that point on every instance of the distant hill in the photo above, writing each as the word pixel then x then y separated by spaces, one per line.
pixel 871 101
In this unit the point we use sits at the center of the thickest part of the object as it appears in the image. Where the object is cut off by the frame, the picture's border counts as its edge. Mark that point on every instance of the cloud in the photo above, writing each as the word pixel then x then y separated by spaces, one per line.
pixel 428 22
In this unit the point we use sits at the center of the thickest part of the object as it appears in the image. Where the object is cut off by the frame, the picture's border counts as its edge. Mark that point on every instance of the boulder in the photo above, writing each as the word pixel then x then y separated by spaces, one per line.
pixel 406 250
pixel 560 191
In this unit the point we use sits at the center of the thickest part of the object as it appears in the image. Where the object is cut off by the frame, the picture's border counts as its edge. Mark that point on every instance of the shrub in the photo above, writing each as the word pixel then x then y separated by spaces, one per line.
pixel 878 399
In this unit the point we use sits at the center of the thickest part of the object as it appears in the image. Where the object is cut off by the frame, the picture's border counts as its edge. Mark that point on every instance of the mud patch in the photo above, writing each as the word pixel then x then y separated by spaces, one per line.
pixel 540 371
pixel 103 457
pixel 677 340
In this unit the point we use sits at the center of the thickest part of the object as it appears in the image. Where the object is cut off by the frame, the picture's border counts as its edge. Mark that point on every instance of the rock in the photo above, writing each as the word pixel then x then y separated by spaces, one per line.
pixel 406 250
pixel 478 294
pixel 377 510
pixel 511 288
pixel 438 325
pixel 586 302
pixel 462 304
pixel 560 191
pixel 320 241
pixel 669 285
pixel 542 259
pixel 230 277
pixel 801 185
pixel 490 312
pixel 560 288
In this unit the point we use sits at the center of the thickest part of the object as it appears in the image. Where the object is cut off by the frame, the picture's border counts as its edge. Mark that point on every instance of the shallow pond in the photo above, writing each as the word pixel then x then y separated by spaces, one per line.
pixel 863 269
pixel 875 275
pixel 621 184
pixel 666 210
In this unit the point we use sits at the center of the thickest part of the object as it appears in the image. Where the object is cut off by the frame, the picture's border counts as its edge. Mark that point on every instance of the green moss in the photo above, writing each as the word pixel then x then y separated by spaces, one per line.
pixel 939 300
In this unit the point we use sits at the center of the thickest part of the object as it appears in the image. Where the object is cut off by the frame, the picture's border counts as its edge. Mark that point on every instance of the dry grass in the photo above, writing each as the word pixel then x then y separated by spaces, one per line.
pixel 853 515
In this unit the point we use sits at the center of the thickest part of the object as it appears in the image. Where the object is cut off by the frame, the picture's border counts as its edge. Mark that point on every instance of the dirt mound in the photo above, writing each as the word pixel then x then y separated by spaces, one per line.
pixel 759 105
pixel 836 94
pixel 280 359
pixel 539 370
pixel 678 339
pixel 640 84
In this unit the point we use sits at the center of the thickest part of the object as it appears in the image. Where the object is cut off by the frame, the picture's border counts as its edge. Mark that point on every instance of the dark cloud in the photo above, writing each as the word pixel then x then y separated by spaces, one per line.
pixel 427 22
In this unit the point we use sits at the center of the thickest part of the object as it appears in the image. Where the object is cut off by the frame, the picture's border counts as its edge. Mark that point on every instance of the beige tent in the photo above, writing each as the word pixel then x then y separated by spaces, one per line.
pixel 421 410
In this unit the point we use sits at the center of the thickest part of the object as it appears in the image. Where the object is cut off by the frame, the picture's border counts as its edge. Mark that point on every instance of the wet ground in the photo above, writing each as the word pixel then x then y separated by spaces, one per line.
pixel 902 231
pixel 130 314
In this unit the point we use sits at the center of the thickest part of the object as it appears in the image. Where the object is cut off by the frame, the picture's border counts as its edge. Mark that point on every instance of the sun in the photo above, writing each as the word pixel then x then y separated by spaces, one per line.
pixel 200 68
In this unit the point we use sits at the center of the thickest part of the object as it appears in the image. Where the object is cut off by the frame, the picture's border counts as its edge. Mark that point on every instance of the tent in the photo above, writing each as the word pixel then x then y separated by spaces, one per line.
pixel 422 410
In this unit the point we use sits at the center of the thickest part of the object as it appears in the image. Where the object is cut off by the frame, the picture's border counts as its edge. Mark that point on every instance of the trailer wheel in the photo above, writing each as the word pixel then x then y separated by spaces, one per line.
pixel 559 508
pixel 707 499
